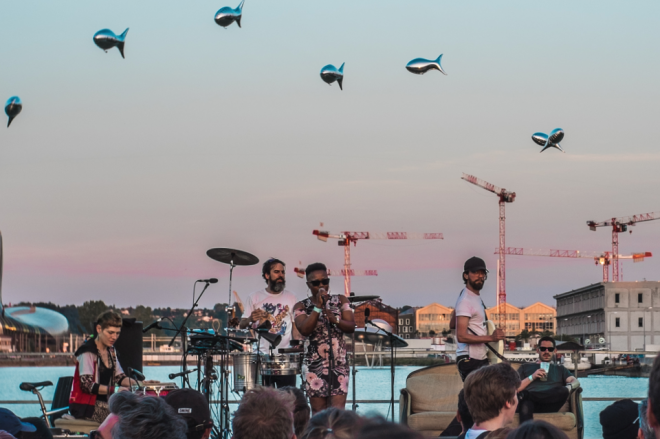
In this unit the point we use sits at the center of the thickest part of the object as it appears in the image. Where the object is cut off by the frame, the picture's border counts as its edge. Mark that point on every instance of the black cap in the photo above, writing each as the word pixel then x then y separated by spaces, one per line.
pixel 193 406
pixel 10 423
pixel 620 420
pixel 474 264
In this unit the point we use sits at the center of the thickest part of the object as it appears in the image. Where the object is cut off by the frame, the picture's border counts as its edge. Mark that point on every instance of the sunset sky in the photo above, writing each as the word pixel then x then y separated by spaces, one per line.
pixel 119 173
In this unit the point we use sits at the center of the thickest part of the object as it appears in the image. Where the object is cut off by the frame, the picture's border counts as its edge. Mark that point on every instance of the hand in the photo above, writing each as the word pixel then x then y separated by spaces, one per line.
pixel 257 314
pixel 330 316
pixel 540 373
pixel 123 389
pixel 497 335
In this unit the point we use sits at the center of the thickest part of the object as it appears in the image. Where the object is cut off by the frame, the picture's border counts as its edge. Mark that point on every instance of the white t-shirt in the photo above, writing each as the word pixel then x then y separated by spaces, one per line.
pixel 473 434
pixel 280 313
pixel 470 305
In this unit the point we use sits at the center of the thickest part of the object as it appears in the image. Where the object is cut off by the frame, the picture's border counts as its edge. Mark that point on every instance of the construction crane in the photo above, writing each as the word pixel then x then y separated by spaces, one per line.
pixel 621 225
pixel 346 238
pixel 602 258
pixel 505 197
pixel 300 272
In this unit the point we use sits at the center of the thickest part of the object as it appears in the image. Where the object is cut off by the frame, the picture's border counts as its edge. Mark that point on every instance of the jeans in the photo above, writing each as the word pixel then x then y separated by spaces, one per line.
pixel 549 401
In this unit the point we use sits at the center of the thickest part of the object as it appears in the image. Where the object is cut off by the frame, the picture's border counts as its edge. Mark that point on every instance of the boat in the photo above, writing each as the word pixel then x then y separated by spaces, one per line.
pixel 584 363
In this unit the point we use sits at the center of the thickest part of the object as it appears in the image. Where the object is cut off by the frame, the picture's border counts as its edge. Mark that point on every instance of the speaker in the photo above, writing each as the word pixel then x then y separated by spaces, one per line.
pixel 129 345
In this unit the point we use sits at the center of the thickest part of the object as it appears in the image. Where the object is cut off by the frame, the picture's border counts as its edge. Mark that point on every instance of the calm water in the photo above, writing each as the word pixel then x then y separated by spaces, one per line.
pixel 371 384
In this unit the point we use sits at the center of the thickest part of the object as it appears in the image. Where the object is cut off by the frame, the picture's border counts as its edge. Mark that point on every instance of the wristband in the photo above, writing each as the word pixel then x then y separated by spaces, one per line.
pixel 318 310
pixel 531 378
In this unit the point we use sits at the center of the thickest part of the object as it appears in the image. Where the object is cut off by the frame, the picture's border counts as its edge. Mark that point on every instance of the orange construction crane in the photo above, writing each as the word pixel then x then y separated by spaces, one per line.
pixel 602 258
pixel 300 272
pixel 504 197
pixel 621 225
pixel 346 238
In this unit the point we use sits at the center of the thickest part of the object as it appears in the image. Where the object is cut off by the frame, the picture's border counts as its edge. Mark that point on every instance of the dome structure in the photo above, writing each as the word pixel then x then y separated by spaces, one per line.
pixel 51 321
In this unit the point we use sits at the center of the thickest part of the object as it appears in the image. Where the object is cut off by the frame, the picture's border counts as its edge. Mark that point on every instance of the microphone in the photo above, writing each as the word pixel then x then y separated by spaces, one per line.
pixel 180 374
pixel 209 281
pixel 139 376
pixel 153 324
pixel 324 298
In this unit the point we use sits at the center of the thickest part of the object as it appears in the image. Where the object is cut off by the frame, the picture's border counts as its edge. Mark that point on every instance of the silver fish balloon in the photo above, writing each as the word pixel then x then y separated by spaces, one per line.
pixel 106 39
pixel 419 66
pixel 551 141
pixel 226 16
pixel 330 74
pixel 12 108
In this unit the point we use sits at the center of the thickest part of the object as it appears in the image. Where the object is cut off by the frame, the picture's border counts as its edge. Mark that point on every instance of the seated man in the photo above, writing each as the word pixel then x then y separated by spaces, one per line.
pixel 264 413
pixel 193 407
pixel 490 393
pixel 543 391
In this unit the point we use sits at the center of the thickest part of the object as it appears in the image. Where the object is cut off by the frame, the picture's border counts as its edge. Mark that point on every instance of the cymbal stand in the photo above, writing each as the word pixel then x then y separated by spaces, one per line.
pixel 229 309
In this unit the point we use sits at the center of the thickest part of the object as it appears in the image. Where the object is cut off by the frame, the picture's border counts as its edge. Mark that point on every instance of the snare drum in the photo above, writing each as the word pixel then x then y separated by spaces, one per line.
pixel 280 364
pixel 245 371
pixel 157 389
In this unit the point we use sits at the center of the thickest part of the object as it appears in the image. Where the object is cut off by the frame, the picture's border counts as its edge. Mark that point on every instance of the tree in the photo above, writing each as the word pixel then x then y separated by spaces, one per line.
pixel 524 335
pixel 445 332
pixel 405 308
pixel 432 333
pixel 89 311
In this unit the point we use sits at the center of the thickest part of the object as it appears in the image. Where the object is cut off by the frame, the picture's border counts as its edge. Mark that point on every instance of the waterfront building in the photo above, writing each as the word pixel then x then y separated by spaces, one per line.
pixel 537 317
pixel 513 314
pixel 433 317
pixel 407 323
pixel 623 315
pixel 378 310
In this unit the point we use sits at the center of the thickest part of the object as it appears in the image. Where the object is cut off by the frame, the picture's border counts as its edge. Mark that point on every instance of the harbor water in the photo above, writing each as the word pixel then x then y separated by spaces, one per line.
pixel 372 383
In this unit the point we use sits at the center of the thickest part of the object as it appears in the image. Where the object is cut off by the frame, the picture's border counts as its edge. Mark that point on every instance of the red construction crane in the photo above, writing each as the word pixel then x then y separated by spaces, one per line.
pixel 621 225
pixel 346 238
pixel 300 272
pixel 602 258
pixel 505 197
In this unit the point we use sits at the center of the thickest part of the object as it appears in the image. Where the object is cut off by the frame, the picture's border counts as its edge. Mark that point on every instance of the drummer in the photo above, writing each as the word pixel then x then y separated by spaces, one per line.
pixel 324 319
pixel 275 304
pixel 98 372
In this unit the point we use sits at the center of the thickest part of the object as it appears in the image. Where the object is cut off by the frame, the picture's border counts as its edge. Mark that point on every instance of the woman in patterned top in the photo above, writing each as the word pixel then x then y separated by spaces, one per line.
pixel 321 318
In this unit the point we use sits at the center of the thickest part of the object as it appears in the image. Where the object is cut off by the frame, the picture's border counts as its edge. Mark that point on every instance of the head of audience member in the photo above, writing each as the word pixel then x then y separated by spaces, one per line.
pixel 264 413
pixel 145 417
pixel 463 413
pixel 380 428
pixel 333 423
pixel 645 430
pixel 653 413
pixel 620 420
pixel 546 348
pixel 500 433
pixel 11 423
pixel 537 430
pixel 193 407
pixel 301 410
pixel 491 394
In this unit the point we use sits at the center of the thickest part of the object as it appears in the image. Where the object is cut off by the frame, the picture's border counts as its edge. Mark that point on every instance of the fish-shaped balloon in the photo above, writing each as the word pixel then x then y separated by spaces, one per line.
pixel 551 141
pixel 13 107
pixel 226 16
pixel 419 66
pixel 331 74
pixel 106 39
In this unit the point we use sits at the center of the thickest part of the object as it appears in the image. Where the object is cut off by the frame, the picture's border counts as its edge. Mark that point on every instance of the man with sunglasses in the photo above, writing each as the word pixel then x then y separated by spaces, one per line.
pixel 544 386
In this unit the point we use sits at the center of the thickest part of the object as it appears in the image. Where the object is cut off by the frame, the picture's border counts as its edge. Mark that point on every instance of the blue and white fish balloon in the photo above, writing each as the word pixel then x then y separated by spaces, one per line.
pixel 106 39
pixel 12 108
pixel 226 16
pixel 551 141
pixel 330 74
pixel 419 66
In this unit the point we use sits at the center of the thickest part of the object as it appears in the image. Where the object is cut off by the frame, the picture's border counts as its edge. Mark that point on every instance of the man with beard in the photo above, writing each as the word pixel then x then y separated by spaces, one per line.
pixel 470 323
pixel 274 304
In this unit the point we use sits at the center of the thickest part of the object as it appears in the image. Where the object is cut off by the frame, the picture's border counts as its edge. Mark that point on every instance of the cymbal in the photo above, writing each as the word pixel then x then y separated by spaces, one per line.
pixel 227 255
pixel 354 299
pixel 371 335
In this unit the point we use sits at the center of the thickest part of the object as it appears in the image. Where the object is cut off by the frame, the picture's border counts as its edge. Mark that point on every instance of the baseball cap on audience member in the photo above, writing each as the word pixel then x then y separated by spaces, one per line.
pixel 620 420
pixel 10 423
pixel 193 406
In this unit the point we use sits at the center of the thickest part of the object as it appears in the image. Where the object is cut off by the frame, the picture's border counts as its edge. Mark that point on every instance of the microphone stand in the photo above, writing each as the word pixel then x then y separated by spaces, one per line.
pixel 391 337
pixel 332 355
pixel 183 325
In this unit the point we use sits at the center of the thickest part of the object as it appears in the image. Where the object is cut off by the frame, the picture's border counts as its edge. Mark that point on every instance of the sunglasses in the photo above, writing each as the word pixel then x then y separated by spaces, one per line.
pixel 543 349
pixel 318 283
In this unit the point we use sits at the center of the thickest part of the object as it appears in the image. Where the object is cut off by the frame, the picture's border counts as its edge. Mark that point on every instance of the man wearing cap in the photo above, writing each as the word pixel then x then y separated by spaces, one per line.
pixel 620 420
pixel 469 320
pixel 194 408
pixel 10 423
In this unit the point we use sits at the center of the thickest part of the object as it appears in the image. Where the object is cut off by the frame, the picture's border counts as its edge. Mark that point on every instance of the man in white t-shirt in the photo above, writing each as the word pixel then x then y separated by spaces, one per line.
pixel 470 320
pixel 274 304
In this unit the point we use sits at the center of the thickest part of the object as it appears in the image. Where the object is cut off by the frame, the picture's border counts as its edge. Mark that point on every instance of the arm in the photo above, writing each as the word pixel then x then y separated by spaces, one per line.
pixel 464 336
pixel 305 323
pixel 452 320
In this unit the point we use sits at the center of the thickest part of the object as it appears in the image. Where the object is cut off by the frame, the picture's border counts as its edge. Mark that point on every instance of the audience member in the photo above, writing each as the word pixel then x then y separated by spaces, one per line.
pixel 537 430
pixel 380 428
pixel 463 415
pixel 42 431
pixel 264 413
pixel 500 433
pixel 653 413
pixel 5 435
pixel 645 430
pixel 341 424
pixel 490 393
pixel 193 407
pixel 145 417
pixel 620 420
pixel 301 410
pixel 10 423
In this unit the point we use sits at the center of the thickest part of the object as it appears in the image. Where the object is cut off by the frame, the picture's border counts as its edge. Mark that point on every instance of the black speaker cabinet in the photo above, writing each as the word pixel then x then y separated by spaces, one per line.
pixel 129 345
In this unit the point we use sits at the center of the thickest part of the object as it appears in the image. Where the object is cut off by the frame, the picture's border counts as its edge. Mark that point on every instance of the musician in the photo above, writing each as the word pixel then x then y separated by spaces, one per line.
pixel 98 372
pixel 469 320
pixel 275 304
pixel 321 318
